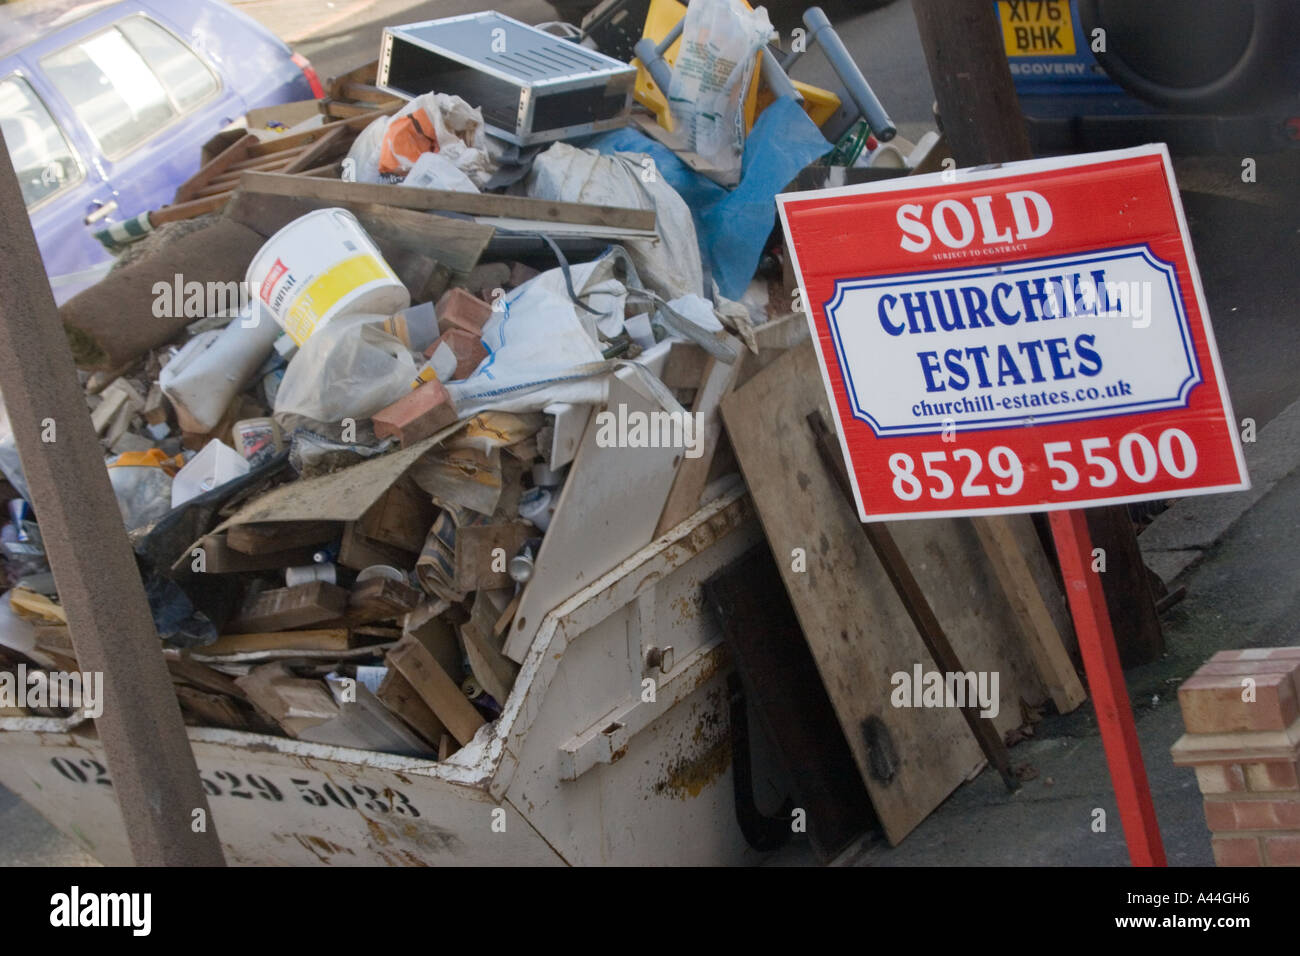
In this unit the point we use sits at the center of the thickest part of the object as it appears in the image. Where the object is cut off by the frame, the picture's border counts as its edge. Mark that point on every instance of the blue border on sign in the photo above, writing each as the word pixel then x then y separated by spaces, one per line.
pixel 1169 270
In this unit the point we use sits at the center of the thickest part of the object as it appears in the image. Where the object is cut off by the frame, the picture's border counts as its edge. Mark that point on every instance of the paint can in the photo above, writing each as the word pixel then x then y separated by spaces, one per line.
pixel 318 267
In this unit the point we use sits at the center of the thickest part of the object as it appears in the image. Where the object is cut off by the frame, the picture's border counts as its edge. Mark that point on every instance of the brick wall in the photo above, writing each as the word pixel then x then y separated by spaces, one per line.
pixel 1241 711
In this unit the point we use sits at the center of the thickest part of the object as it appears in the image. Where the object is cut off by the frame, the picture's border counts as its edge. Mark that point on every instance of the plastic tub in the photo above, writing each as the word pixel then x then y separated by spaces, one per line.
pixel 320 266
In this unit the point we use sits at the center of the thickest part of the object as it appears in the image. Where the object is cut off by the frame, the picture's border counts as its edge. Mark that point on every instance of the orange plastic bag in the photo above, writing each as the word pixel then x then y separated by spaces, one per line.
pixel 406 138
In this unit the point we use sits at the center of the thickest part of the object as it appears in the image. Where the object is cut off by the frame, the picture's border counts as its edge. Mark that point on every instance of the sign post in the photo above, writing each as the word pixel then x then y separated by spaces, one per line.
pixel 1029 337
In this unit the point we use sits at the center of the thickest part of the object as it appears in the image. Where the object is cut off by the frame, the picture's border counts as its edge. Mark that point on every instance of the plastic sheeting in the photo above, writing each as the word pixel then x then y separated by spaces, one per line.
pixel 733 226
pixel 670 265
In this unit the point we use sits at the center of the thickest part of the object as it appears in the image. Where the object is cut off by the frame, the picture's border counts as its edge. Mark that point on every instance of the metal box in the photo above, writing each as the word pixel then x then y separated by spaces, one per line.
pixel 532 87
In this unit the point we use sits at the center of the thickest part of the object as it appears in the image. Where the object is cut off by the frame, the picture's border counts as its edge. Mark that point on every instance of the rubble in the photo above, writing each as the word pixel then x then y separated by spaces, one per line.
pixel 348 403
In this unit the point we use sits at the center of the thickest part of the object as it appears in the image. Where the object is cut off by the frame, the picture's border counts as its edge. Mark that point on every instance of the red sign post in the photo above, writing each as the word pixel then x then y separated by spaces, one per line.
pixel 1030 337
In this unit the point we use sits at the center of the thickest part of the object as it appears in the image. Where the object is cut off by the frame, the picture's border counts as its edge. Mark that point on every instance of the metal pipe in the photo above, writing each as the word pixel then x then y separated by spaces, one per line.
pixel 155 778
pixel 652 59
pixel 775 77
pixel 859 90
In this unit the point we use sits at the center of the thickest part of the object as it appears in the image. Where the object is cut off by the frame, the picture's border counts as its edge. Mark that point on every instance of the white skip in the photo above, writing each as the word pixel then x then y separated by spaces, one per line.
pixel 640 429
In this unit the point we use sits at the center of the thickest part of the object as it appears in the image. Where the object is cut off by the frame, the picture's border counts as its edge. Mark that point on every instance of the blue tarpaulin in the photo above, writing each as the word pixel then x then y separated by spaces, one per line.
pixel 733 224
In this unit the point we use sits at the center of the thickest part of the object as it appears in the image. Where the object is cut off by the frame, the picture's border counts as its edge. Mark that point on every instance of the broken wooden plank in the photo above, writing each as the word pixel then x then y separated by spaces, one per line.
pixel 378 599
pixel 483 553
pixel 473 204
pixel 216 556
pixel 281 536
pixel 693 472
pixel 436 689
pixel 456 243
pixel 295 703
pixel 493 670
pixel 1037 628
pixel 284 609
pixel 359 552
pixel 859 633
pixel 202 676
pixel 332 639
pixel 400 518
pixel 397 694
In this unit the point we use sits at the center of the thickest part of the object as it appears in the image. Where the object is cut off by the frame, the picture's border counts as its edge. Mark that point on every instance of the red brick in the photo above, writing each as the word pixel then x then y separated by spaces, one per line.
pixel 1258 654
pixel 1247 668
pixel 1246 814
pixel 1221 778
pixel 1236 851
pixel 1272 776
pixel 416 415
pixel 461 309
pixel 468 348
pixel 1212 703
pixel 1282 849
pixel 519 274
pixel 1219 816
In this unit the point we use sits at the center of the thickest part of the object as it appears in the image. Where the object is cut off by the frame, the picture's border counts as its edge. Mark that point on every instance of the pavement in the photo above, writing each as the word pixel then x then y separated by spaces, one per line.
pixel 1237 554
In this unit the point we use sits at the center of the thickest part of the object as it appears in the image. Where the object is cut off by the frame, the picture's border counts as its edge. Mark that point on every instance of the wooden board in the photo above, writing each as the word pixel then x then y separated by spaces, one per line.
pixel 493 670
pixel 332 639
pixel 475 559
pixel 283 609
pixel 436 689
pixel 220 558
pixel 857 629
pixel 378 599
pixel 784 689
pixel 474 204
pixel 400 518
pixel 608 510
pixel 693 473
pixel 456 243
pixel 281 536
pixel 1022 592
pixel 397 694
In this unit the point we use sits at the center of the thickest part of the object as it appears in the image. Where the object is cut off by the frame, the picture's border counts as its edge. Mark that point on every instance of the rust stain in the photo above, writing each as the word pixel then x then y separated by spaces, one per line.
pixel 705 756
pixel 688 777
pixel 377 831
pixel 319 847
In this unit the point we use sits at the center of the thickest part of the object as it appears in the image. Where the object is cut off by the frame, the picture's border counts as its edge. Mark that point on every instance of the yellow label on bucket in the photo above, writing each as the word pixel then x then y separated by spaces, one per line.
pixel 324 293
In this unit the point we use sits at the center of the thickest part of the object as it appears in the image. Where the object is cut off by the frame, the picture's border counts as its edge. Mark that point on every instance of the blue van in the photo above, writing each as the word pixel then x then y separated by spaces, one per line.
pixel 104 107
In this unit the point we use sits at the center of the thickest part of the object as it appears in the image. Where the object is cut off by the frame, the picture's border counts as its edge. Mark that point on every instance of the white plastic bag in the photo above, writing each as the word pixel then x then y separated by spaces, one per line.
pixel 541 347
pixel 457 129
pixel 350 368
pixel 669 265
pixel 11 466
pixel 436 171
pixel 713 69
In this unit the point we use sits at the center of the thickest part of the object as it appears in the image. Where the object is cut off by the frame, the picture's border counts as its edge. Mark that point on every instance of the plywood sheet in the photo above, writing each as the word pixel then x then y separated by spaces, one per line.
pixel 858 631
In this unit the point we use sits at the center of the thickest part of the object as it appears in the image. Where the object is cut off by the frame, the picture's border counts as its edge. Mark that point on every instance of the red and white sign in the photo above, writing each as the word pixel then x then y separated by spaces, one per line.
pixel 1024 338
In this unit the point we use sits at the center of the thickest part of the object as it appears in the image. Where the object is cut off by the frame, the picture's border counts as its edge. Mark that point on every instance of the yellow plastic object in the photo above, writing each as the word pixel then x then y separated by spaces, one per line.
pixel 819 104
pixel 663 16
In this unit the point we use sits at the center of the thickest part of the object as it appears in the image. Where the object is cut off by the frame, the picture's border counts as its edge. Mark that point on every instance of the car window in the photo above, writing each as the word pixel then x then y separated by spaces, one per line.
pixel 41 156
pixel 184 75
pixel 112 90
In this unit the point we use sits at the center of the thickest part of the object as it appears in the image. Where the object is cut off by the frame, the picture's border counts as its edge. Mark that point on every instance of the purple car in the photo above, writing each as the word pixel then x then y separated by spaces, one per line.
pixel 104 108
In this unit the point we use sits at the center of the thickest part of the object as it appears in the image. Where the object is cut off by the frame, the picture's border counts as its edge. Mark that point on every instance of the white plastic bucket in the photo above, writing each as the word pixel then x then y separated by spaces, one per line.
pixel 320 266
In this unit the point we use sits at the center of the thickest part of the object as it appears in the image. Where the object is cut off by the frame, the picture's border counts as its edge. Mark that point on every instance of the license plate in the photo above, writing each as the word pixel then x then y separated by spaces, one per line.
pixel 1037 27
